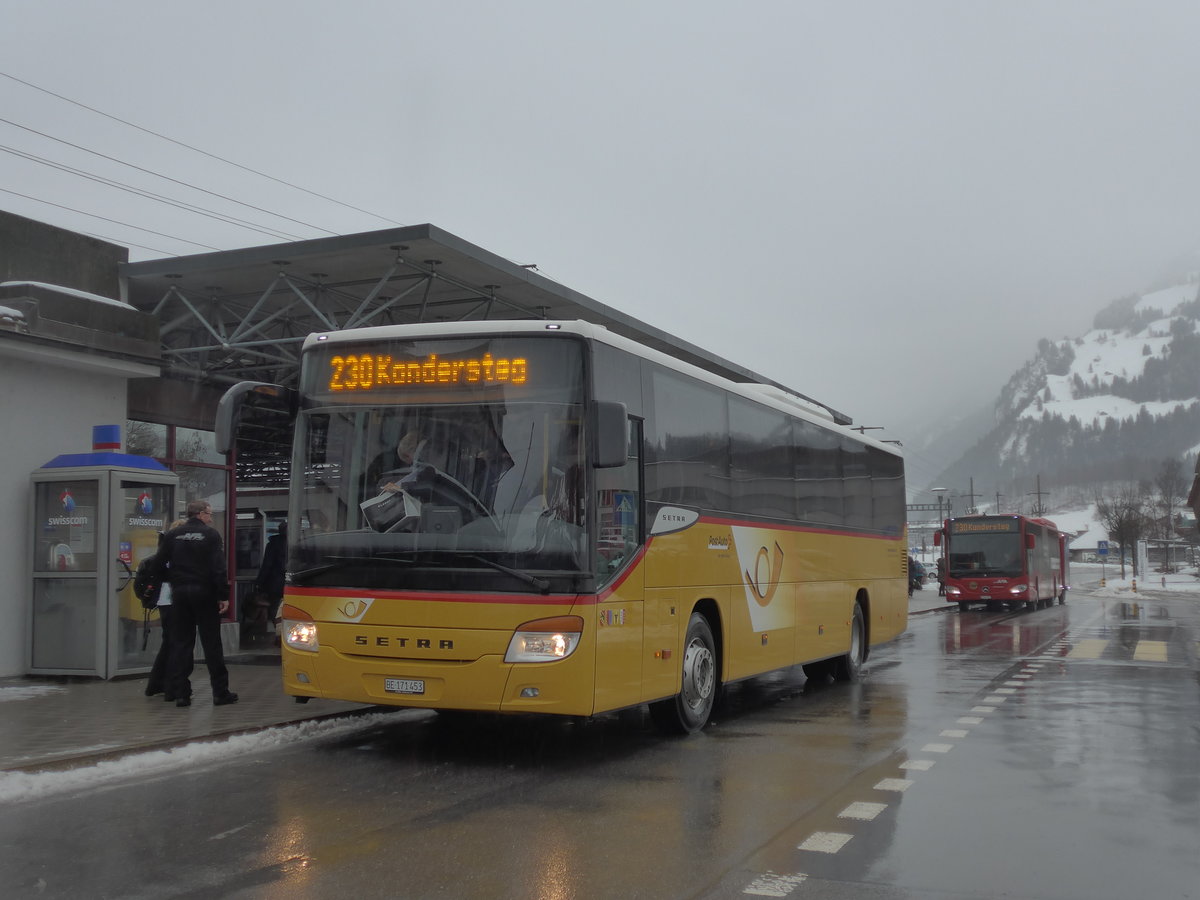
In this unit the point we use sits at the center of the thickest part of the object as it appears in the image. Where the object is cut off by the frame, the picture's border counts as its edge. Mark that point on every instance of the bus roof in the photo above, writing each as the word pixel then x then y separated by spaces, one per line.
pixel 768 394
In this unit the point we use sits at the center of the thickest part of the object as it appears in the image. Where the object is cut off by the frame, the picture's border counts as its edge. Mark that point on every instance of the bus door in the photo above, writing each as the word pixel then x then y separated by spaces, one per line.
pixel 620 578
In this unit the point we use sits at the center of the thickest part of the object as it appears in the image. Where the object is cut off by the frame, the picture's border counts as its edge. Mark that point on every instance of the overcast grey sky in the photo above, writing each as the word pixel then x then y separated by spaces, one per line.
pixel 845 196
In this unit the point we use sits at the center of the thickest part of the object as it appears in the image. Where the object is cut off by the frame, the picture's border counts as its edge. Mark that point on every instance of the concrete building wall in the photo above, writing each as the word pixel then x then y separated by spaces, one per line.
pixel 35 251
pixel 48 404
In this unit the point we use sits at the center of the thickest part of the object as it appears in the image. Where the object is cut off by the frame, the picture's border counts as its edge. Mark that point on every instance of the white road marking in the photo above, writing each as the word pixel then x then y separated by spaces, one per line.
pixel 772 885
pixel 899 785
pixel 983 709
pixel 918 765
pixel 825 842
pixel 954 733
pixel 994 698
pixel 937 748
pixel 971 720
pixel 862 810
pixel 1007 691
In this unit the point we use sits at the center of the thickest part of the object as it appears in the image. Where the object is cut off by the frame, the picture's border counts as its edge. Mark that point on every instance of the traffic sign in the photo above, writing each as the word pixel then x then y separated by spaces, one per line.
pixel 1102 548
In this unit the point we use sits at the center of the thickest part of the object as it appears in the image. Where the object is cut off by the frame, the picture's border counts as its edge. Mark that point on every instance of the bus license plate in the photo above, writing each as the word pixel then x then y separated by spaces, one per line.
pixel 403 686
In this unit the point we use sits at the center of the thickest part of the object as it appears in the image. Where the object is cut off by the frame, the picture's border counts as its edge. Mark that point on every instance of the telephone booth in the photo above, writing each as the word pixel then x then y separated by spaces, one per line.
pixel 95 516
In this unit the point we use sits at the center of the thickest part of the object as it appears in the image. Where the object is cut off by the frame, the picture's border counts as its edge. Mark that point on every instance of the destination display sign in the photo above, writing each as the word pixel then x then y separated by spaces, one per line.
pixel 984 526
pixel 371 371
pixel 432 370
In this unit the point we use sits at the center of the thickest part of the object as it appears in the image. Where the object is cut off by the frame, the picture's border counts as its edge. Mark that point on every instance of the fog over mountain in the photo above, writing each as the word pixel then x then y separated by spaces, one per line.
pixel 1107 406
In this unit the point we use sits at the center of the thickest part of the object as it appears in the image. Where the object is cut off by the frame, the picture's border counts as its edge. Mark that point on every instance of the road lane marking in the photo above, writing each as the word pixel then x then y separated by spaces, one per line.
pixel 983 709
pixel 1150 651
pixel 970 720
pixel 771 885
pixel 954 733
pixel 937 748
pixel 1091 648
pixel 898 785
pixel 825 842
pixel 862 810
pixel 1008 692
pixel 994 698
pixel 918 765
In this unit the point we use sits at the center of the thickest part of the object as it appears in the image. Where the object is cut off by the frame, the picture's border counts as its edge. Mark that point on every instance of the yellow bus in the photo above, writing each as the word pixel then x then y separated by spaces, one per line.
pixel 545 517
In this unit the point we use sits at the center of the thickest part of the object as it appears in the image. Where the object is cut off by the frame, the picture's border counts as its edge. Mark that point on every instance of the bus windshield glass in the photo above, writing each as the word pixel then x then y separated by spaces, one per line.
pixel 984 548
pixel 442 465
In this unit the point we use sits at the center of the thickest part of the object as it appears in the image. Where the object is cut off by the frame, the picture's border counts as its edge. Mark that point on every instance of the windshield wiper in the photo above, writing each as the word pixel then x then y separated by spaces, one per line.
pixel 540 583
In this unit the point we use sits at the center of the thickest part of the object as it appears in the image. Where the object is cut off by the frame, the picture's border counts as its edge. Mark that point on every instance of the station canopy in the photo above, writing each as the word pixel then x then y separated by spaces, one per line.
pixel 242 315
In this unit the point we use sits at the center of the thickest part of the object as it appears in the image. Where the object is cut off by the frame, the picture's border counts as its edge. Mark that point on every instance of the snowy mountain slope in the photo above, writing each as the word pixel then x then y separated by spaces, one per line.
pixel 1109 405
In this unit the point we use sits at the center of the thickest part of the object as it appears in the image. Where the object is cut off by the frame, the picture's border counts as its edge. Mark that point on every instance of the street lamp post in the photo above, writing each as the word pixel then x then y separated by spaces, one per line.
pixel 939 491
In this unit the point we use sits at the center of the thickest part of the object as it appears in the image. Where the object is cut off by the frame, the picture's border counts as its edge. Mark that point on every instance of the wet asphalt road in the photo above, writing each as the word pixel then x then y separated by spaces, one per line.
pixel 1047 754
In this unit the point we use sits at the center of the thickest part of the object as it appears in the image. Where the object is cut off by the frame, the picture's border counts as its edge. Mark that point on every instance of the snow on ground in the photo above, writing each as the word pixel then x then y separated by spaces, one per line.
pixel 19 786
pixel 1091 411
pixel 1168 298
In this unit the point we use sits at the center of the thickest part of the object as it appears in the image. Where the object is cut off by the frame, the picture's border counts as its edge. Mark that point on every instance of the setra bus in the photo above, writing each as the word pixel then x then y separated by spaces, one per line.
pixel 545 517
pixel 1003 559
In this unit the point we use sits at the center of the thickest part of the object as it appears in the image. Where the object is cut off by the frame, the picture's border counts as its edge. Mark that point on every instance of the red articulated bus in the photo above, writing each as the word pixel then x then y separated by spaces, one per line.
pixel 1010 560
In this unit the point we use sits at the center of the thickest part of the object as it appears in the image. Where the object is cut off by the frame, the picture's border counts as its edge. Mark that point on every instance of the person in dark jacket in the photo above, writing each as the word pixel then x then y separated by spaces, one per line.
pixel 157 682
pixel 195 563
pixel 271 572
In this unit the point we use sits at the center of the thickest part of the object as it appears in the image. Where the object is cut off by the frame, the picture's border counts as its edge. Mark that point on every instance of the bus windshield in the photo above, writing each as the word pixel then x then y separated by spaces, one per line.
pixel 442 465
pixel 983 555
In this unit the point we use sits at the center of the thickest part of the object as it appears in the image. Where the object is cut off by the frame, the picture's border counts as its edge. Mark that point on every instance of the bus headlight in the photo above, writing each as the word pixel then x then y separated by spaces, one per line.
pixel 953 591
pixel 545 640
pixel 1018 589
pixel 299 629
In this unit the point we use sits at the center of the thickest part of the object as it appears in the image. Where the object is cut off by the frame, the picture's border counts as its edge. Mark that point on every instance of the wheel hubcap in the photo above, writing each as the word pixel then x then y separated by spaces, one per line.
pixel 699 674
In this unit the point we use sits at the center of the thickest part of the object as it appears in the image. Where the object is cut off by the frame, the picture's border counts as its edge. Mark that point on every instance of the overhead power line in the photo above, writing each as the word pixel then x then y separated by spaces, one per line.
pixel 227 162
pixel 106 219
pixel 159 175
pixel 150 195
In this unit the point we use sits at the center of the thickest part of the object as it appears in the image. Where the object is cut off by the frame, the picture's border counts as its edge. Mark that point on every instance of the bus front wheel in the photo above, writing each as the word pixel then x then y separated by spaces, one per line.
pixel 688 711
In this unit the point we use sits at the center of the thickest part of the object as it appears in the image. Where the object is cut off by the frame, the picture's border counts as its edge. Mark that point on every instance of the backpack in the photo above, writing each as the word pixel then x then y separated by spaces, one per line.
pixel 148 581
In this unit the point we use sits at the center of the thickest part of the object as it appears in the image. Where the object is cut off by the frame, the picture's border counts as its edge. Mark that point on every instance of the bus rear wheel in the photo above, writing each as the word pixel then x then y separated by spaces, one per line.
pixel 849 666
pixel 689 710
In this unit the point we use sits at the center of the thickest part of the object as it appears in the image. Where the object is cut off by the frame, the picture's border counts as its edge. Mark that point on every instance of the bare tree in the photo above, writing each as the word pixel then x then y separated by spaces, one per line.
pixel 1172 482
pixel 1124 513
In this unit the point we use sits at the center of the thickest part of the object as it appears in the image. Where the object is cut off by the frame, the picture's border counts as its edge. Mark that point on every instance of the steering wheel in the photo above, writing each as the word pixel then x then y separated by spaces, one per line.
pixel 430 484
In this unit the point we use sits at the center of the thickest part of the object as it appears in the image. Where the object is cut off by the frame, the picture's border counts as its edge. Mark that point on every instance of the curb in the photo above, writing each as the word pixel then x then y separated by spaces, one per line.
pixel 66 763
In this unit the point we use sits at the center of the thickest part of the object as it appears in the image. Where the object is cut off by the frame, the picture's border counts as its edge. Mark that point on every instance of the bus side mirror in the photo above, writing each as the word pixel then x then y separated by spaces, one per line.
pixel 1030 542
pixel 229 408
pixel 610 434
pixel 937 538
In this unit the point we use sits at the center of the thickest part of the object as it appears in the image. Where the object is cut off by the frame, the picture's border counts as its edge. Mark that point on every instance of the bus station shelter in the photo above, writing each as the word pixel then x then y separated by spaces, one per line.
pixel 242 315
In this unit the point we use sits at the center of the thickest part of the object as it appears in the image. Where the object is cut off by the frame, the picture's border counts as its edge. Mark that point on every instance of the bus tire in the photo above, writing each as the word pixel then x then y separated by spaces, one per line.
pixel 848 667
pixel 688 711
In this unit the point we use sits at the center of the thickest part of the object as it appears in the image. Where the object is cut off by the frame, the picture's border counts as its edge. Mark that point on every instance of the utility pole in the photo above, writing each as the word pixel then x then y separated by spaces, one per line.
pixel 1038 508
pixel 997 509
pixel 971 494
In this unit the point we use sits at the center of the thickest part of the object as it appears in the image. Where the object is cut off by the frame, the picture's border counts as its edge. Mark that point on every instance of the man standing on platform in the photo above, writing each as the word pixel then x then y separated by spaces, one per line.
pixel 199 579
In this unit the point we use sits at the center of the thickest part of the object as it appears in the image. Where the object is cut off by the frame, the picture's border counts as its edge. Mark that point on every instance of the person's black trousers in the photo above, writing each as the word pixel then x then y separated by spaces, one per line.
pixel 195 611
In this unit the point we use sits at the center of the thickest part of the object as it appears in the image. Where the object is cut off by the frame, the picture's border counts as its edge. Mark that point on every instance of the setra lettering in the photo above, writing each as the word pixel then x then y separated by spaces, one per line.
pixel 363 640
